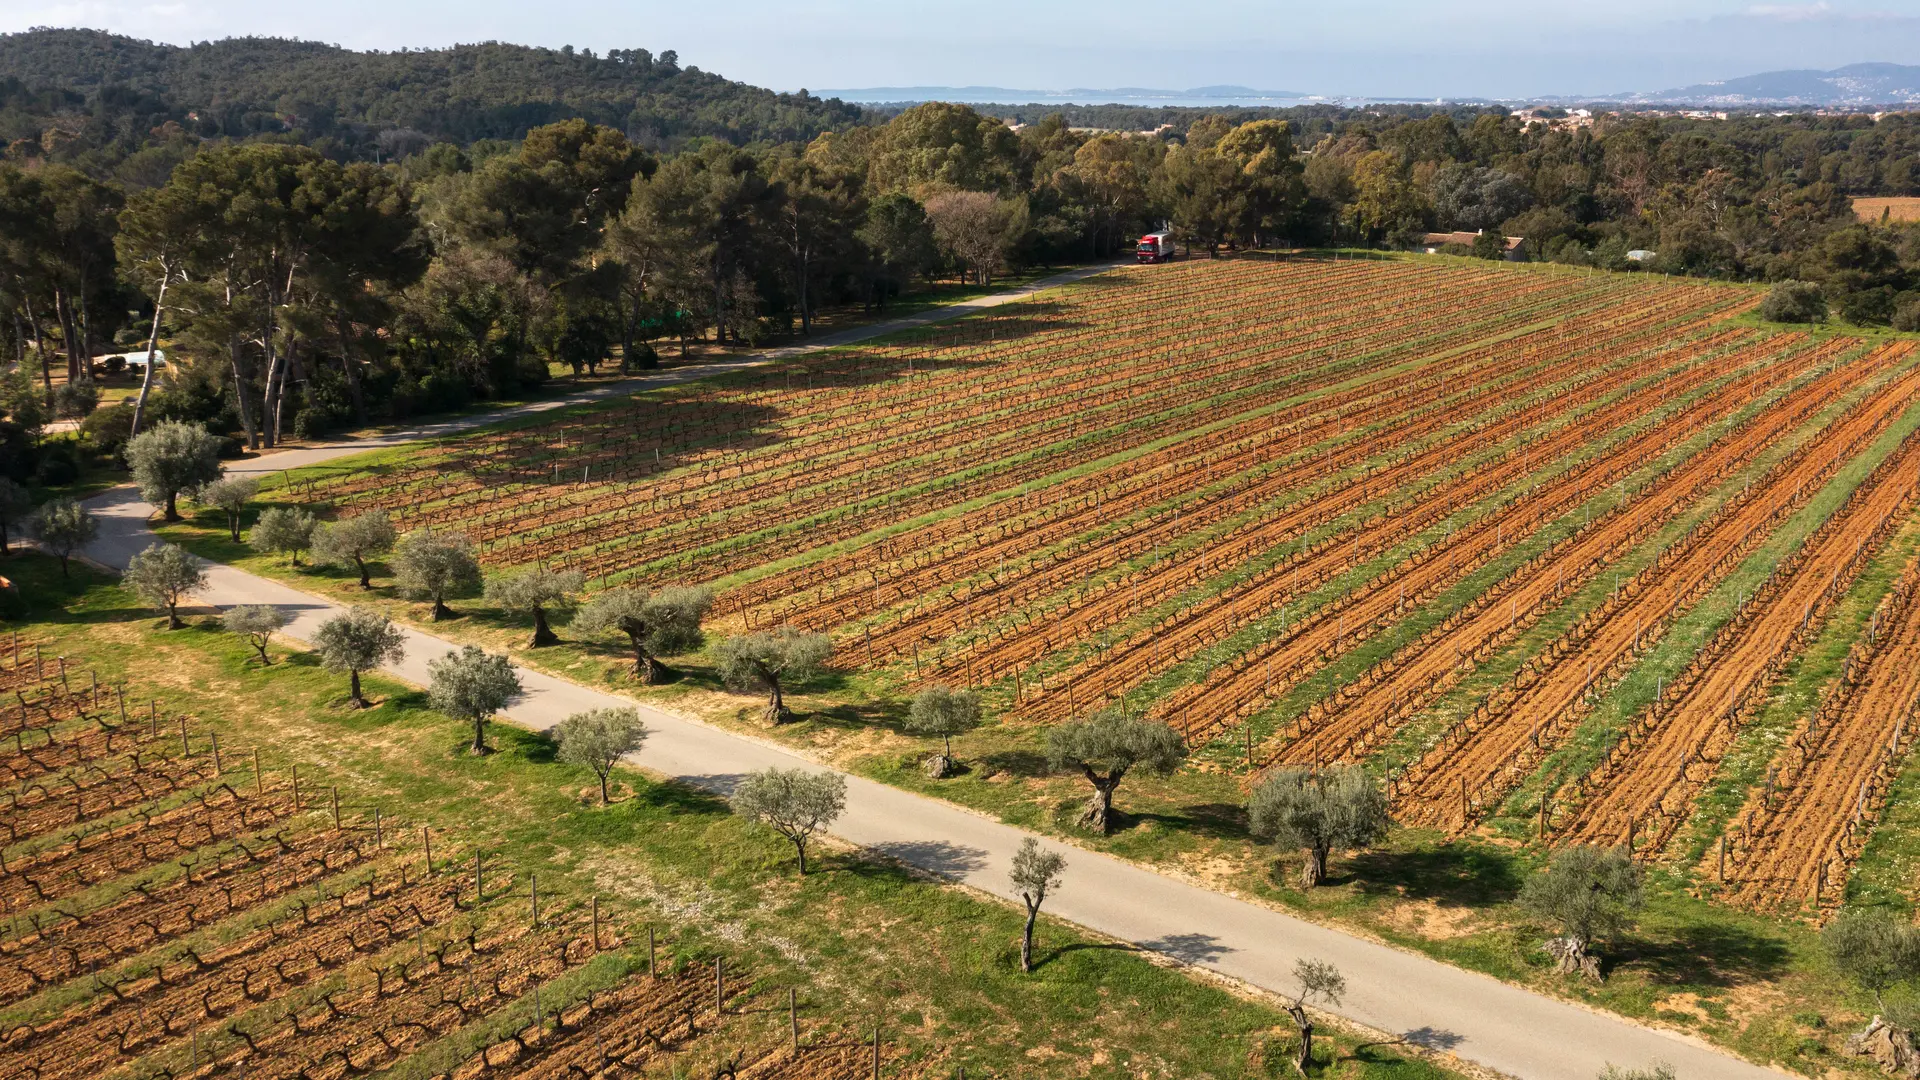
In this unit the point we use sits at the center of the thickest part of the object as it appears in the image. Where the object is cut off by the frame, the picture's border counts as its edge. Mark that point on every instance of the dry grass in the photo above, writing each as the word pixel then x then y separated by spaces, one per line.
pixel 1875 208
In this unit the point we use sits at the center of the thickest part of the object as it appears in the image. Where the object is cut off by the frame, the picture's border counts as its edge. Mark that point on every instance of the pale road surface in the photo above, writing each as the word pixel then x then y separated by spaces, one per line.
pixel 1483 1020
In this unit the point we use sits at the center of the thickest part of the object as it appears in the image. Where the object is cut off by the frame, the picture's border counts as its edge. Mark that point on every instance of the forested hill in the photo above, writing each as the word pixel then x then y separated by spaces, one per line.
pixel 253 86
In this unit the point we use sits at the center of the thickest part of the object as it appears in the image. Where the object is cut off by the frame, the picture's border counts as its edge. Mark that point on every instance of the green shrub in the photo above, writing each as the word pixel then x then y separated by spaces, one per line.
pixel 1794 302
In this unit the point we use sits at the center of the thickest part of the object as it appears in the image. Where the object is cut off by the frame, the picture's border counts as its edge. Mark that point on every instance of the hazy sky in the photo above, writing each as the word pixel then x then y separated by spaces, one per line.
pixel 1385 47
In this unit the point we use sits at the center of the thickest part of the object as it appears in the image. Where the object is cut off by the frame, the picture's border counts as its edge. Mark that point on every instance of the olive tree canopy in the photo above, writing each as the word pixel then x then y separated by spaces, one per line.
pixel 1105 748
pixel 1337 808
pixel 657 623
pixel 163 575
pixel 536 592
pixel 359 640
pixel 472 685
pixel 793 802
pixel 170 458
pixel 772 662
pixel 598 739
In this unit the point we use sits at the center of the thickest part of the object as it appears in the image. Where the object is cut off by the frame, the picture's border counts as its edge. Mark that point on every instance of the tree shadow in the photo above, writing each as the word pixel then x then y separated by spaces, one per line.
pixel 1189 948
pixel 1430 1038
pixel 935 856
pixel 849 716
pixel 1457 874
pixel 1215 820
pixel 1021 763
pixel 1704 955
pixel 1041 959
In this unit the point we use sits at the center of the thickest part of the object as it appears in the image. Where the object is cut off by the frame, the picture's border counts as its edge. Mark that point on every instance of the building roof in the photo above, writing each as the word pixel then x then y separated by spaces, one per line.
pixel 1466 239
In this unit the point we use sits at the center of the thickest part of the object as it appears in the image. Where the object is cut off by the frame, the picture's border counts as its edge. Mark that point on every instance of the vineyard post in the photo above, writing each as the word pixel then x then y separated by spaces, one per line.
pixel 216 753
pixel 336 809
pixel 876 1052
pixel 184 751
pixel 426 839
pixel 259 784
pixel 1543 815
pixel 122 696
pixel 596 922
pixel 479 890
pixel 719 985
pixel 1722 874
pixel 296 787
pixel 379 837
pixel 652 970
pixel 533 891
pixel 793 1019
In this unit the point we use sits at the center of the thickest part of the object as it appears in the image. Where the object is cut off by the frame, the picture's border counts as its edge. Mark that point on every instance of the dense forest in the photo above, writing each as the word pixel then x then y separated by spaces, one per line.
pixel 325 238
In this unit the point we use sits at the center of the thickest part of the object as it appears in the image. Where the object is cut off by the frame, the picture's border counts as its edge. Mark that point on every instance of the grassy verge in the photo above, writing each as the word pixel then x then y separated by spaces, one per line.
pixel 936 966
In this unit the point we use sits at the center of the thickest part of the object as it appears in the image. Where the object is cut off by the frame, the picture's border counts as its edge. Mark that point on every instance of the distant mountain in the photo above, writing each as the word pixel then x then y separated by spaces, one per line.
pixel 248 86
pixel 1853 85
pixel 1121 95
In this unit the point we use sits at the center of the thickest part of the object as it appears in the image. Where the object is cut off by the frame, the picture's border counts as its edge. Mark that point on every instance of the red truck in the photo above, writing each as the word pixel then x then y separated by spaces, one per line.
pixel 1155 247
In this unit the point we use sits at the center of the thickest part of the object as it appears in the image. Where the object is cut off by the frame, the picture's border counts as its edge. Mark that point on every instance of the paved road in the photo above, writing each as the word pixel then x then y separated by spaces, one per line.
pixel 1482 1020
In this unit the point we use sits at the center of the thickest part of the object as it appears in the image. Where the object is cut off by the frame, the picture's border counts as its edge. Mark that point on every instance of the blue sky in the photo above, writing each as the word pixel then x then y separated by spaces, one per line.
pixel 1384 47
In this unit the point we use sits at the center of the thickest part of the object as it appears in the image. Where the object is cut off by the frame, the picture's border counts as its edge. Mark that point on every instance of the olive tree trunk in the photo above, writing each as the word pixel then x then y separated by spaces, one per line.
pixel 542 633
pixel 1305 1023
pixel 1098 814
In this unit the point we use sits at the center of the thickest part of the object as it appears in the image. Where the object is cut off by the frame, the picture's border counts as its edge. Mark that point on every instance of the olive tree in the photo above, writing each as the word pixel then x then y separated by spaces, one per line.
pixel 472 685
pixel 352 541
pixel 943 713
pixel 536 592
pixel 772 662
pixel 1339 808
pixel 163 576
pixel 230 494
pixel 435 566
pixel 359 640
pixel 793 802
pixel 1590 893
pixel 1036 872
pixel 283 529
pixel 170 458
pixel 16 509
pixel 598 739
pixel 1318 979
pixel 664 622
pixel 1878 952
pixel 1105 748
pixel 63 527
pixel 257 623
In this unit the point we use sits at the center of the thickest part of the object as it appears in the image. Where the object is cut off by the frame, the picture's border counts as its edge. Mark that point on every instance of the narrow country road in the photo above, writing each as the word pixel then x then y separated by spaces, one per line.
pixel 1483 1020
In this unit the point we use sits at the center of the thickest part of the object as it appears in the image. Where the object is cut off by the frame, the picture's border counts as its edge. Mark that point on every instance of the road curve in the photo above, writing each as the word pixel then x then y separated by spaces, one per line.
pixel 1482 1020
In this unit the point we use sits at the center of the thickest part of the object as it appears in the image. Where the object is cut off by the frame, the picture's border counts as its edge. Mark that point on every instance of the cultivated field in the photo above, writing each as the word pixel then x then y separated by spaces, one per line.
pixel 1539 545
pixel 179 908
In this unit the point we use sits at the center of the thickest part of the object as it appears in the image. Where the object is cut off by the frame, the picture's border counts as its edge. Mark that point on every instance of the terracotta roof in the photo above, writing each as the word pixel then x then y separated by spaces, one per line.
pixel 1466 239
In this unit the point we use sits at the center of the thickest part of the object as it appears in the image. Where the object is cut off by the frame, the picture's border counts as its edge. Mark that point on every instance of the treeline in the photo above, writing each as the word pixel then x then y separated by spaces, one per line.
pixel 1752 198
pixel 94 98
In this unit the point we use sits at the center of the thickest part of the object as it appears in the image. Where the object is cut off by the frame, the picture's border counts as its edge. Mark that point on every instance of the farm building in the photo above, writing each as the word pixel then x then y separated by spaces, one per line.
pixel 1432 243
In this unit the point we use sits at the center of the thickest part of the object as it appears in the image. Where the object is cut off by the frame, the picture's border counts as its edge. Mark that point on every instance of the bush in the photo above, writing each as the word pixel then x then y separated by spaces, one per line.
pixel 115 364
pixel 58 465
pixel 1794 302
pixel 1868 307
pixel 107 430
pixel 75 400
pixel 1906 311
